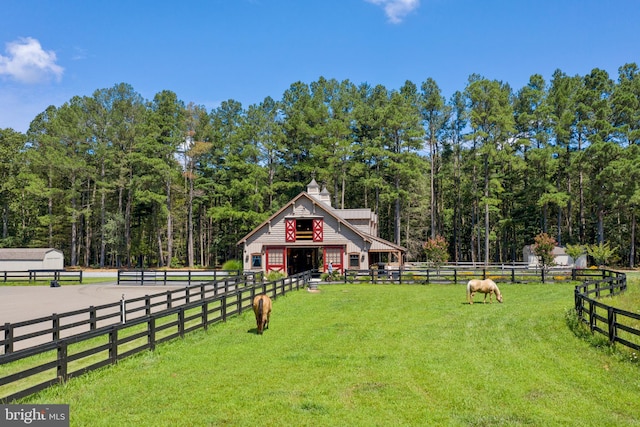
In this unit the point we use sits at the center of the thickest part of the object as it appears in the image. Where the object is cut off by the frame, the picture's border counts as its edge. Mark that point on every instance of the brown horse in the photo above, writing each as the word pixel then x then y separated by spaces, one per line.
pixel 487 286
pixel 262 310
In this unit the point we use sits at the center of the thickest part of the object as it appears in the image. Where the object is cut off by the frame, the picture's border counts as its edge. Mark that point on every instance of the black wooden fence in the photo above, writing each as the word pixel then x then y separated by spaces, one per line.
pixel 164 277
pixel 27 371
pixel 455 274
pixel 34 275
pixel 614 323
pixel 21 335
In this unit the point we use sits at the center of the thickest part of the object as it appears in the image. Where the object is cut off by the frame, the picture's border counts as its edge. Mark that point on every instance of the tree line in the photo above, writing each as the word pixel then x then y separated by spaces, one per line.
pixel 115 180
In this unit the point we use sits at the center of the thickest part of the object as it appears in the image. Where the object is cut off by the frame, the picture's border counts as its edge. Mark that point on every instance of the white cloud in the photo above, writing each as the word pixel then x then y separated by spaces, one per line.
pixel 396 10
pixel 27 62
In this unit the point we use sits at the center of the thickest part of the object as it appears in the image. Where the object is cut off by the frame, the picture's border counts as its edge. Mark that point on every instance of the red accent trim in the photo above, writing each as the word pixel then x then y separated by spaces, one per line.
pixel 279 264
pixel 318 225
pixel 336 264
pixel 290 230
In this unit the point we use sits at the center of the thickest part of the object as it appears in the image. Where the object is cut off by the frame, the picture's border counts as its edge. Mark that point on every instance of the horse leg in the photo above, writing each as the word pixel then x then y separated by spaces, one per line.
pixel 471 297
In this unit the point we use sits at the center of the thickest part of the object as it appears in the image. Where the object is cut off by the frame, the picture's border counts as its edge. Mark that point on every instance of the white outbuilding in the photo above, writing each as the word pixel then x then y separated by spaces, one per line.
pixel 26 259
pixel 560 258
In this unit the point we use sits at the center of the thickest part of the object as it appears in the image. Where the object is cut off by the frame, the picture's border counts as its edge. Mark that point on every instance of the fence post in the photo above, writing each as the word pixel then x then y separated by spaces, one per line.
pixel 205 315
pixel 169 305
pixel 223 307
pixel 147 305
pixel 513 275
pixel 8 336
pixel 484 273
pixel 181 322
pixel 113 348
pixel 56 327
pixel 151 326
pixel 611 320
pixel 92 318
pixel 61 369
pixel 123 310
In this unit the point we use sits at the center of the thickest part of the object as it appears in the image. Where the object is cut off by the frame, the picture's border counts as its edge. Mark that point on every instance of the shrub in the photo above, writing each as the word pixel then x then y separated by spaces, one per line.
pixel 601 253
pixel 232 265
pixel 543 248
pixel 575 251
pixel 436 251
pixel 408 276
pixel 333 277
pixel 272 276
pixel 176 263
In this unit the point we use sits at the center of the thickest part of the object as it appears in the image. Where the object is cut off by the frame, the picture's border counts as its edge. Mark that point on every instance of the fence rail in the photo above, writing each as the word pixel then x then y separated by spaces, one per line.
pixel 453 274
pixel 610 321
pixel 21 335
pixel 27 371
pixel 34 275
pixel 155 277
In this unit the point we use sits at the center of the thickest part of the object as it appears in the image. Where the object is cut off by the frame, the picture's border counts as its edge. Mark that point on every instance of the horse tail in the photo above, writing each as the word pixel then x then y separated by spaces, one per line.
pixel 260 315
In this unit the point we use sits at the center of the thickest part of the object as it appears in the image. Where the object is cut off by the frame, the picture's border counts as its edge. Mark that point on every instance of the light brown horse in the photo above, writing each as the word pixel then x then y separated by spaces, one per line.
pixel 486 286
pixel 262 310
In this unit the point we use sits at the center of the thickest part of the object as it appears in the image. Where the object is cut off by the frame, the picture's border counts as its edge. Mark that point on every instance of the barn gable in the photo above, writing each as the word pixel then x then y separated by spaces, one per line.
pixel 307 233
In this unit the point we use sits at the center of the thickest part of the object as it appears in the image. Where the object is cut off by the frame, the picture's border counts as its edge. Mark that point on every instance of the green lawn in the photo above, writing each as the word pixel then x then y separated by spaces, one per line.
pixel 372 355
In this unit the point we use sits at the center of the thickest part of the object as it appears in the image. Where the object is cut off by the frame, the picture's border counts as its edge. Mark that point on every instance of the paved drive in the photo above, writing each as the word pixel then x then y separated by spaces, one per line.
pixel 20 303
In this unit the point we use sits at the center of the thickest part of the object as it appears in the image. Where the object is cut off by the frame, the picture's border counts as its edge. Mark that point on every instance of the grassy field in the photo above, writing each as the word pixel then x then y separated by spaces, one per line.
pixel 367 355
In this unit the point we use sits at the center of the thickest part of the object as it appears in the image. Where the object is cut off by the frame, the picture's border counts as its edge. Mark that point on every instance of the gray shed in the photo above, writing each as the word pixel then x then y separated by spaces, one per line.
pixel 25 259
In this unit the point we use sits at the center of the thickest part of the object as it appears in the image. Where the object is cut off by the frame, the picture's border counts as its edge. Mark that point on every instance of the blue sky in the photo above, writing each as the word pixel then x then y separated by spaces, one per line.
pixel 210 51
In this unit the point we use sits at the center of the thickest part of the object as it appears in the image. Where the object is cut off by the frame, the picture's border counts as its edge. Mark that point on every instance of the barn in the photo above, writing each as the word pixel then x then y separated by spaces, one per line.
pixel 25 259
pixel 307 233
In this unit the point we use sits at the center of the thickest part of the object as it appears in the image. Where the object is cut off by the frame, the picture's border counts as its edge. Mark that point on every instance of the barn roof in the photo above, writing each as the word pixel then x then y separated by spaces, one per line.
pixel 24 254
pixel 337 214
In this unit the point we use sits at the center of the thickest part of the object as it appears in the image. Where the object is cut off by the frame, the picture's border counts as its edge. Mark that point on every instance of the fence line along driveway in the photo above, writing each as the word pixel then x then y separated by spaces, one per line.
pixel 27 371
pixel 20 303
pixel 24 303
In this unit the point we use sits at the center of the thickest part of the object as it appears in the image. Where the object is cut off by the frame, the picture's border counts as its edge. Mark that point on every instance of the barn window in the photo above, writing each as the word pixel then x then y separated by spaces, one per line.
pixel 304 229
pixel 354 261
pixel 256 261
